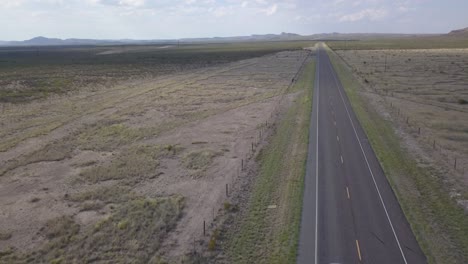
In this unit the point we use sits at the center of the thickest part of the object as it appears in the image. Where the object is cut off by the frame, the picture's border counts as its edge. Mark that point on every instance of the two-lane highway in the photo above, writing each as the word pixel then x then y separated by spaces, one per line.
pixel 350 213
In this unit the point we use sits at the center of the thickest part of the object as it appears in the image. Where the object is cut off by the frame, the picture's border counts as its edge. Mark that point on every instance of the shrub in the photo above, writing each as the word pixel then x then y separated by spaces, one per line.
pixel 5 236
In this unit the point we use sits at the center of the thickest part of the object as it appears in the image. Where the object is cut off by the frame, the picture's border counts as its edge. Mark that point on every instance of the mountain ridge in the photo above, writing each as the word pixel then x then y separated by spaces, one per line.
pixel 284 36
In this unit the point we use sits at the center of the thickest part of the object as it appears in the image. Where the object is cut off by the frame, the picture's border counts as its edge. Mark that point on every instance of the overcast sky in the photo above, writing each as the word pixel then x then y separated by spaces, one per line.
pixel 163 19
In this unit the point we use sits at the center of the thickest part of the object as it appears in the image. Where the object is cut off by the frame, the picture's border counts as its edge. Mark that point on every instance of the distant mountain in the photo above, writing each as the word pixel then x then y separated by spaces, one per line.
pixel 43 41
pixel 459 32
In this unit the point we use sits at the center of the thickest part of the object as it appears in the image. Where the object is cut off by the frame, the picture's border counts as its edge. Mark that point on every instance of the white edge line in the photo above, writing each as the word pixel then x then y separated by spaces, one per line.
pixel 316 157
pixel 368 166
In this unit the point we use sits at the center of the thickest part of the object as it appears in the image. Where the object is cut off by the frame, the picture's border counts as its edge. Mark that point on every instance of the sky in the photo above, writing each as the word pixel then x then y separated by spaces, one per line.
pixel 173 19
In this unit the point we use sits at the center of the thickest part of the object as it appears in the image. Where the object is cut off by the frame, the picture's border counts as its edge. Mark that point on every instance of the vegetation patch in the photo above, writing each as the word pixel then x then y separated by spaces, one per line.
pixel 133 234
pixel 134 163
pixel 55 151
pixel 107 137
pixel 106 194
pixel 440 226
pixel 199 160
pixel 271 235
pixel 5 236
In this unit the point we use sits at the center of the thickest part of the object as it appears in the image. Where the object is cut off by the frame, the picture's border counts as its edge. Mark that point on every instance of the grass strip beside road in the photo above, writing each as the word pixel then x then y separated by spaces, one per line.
pixel 440 226
pixel 270 235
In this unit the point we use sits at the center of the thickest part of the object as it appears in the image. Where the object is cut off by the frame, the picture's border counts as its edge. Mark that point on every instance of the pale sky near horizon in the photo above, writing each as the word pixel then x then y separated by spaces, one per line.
pixel 171 19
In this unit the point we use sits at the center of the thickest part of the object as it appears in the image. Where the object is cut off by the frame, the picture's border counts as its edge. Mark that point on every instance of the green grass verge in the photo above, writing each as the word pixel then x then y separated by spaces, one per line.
pixel 271 235
pixel 440 226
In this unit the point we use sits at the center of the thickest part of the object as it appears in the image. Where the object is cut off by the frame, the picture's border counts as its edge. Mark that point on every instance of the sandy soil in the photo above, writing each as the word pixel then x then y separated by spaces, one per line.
pixel 219 110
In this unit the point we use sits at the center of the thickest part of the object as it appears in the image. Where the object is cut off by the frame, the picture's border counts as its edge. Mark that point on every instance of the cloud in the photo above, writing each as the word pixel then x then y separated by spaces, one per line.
pixel 220 12
pixel 369 14
pixel 271 10
pixel 134 3
pixel 10 3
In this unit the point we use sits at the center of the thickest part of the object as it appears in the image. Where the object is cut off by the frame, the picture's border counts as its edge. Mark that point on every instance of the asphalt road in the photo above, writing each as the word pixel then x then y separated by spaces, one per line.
pixel 350 213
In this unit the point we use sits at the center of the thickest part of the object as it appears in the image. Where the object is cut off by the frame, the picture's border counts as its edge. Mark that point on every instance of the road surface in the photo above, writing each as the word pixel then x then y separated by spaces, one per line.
pixel 350 213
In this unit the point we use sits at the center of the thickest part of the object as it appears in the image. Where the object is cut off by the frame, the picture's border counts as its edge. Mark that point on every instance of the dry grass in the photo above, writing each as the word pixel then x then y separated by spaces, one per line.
pixel 99 148
pixel 131 165
pixel 107 137
pixel 55 151
pixel 133 233
pixel 199 160
pixel 5 235
pixel 271 236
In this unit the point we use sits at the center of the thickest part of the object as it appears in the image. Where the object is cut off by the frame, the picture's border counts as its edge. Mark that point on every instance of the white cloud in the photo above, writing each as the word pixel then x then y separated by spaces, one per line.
pixel 134 3
pixel 369 14
pixel 220 12
pixel 271 10
pixel 10 3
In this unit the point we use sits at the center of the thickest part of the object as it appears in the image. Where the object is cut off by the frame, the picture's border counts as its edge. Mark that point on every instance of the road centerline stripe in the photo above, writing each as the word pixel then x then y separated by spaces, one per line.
pixel 358 250
pixel 347 191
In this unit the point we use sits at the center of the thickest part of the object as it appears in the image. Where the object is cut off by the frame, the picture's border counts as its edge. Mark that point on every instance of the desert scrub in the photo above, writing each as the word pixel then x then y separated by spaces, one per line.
pixel 132 164
pixel 199 159
pixel 271 236
pixel 55 151
pixel 5 235
pixel 107 137
pixel 106 194
pixel 133 234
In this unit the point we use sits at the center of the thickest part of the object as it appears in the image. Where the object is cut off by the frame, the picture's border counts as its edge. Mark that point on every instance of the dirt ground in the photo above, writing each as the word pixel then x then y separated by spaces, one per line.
pixel 425 94
pixel 182 134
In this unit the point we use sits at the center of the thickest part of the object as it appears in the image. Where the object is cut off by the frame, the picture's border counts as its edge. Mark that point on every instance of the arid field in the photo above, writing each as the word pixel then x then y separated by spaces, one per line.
pixel 121 160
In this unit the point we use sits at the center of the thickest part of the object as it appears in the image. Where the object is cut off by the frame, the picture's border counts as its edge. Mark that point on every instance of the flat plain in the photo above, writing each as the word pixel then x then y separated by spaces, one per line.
pixel 121 153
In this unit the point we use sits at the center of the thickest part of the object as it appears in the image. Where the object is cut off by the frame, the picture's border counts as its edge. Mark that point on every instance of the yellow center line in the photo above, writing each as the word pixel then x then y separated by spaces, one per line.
pixel 358 250
pixel 347 190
